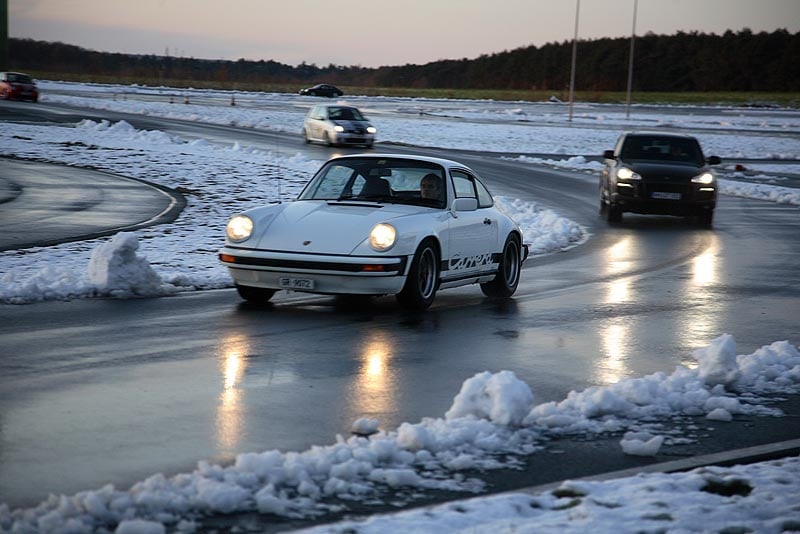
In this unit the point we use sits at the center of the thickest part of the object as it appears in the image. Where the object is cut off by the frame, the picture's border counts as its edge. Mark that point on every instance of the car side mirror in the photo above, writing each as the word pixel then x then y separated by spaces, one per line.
pixel 609 154
pixel 465 204
pixel 713 160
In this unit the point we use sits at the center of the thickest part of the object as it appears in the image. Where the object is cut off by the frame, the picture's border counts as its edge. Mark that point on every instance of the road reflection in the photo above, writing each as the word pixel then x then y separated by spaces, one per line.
pixel 704 318
pixel 374 388
pixel 615 337
pixel 230 413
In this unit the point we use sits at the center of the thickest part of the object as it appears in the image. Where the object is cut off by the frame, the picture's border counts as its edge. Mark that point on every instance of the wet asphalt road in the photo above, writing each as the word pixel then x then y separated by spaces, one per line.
pixel 98 391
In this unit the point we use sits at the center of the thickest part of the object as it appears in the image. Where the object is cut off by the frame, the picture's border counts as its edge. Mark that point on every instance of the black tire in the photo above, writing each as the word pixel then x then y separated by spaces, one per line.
pixel 613 213
pixel 706 219
pixel 505 283
pixel 255 294
pixel 423 279
pixel 326 139
pixel 305 136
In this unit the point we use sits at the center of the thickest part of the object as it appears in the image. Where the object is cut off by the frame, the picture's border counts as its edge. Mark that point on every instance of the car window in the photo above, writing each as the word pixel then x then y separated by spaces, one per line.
pixel 658 148
pixel 469 186
pixel 345 114
pixel 485 199
pixel 395 180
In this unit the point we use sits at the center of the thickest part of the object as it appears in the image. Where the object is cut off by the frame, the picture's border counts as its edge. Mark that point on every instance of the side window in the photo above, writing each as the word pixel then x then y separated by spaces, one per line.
pixel 485 199
pixel 462 184
pixel 468 186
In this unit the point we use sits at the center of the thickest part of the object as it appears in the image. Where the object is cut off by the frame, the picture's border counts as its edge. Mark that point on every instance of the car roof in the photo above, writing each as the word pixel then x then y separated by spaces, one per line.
pixel 648 133
pixel 440 161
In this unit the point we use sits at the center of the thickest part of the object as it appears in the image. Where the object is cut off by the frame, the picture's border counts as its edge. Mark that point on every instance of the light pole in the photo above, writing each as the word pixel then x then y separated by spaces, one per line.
pixel 630 62
pixel 574 57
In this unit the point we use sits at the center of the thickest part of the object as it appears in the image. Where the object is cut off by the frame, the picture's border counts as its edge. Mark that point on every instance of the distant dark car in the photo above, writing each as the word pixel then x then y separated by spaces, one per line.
pixel 322 89
pixel 658 173
pixel 18 86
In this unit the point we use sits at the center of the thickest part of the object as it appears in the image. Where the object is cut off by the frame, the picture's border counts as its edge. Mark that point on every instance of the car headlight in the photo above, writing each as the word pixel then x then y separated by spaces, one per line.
pixel 705 178
pixel 382 237
pixel 624 173
pixel 372 129
pixel 240 227
pixel 338 128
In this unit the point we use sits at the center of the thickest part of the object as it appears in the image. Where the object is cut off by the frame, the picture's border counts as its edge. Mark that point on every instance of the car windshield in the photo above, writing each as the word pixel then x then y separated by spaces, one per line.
pixel 19 78
pixel 345 114
pixel 390 180
pixel 656 148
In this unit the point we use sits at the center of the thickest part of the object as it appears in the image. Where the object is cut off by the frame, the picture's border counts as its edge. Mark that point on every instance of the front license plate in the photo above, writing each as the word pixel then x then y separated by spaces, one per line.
pixel 297 283
pixel 666 196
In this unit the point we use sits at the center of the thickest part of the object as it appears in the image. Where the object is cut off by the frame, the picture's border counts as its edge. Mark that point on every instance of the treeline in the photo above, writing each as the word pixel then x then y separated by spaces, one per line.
pixel 686 61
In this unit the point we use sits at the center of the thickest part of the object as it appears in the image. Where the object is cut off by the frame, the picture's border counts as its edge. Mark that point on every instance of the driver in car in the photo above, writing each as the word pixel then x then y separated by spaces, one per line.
pixel 429 187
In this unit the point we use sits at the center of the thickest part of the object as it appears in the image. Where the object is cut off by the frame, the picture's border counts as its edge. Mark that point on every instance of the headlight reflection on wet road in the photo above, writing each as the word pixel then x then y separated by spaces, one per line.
pixel 229 417
pixel 703 320
pixel 374 385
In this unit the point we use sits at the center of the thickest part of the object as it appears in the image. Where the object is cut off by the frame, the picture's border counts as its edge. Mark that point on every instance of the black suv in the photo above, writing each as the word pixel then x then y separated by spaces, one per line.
pixel 658 173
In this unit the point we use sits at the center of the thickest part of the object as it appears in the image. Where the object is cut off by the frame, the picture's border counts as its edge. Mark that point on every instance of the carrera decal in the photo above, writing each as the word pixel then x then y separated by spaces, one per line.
pixel 471 262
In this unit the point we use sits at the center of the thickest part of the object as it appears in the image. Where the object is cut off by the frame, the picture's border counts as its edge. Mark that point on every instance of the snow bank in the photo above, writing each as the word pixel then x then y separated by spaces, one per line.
pixel 490 423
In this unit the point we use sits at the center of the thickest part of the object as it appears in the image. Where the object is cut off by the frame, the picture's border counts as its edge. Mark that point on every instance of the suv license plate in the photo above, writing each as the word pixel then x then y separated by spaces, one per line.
pixel 297 283
pixel 666 196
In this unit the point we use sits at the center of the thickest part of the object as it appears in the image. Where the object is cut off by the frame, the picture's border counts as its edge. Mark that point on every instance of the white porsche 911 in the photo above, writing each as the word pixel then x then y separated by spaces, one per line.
pixel 378 225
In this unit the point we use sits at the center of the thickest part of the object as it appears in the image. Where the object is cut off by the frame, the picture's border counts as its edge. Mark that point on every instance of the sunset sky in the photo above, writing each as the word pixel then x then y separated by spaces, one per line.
pixel 371 33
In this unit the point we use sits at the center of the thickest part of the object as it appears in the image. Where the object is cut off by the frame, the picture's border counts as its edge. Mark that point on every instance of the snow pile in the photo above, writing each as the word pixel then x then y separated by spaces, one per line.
pixel 772 193
pixel 710 388
pixel 501 398
pixel 115 269
pixel 746 498
pixel 542 229
pixel 641 443
pixel 491 418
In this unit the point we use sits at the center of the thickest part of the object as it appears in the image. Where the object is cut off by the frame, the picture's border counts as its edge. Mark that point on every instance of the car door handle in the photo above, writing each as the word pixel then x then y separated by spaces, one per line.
pixel 487 221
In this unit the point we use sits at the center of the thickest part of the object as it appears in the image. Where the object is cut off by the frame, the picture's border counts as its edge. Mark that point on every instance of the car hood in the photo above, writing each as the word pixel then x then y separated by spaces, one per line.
pixel 320 227
pixel 350 125
pixel 657 170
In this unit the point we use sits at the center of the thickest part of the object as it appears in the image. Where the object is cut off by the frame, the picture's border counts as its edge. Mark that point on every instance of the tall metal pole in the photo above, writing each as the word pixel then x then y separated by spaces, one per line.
pixel 4 61
pixel 630 61
pixel 574 57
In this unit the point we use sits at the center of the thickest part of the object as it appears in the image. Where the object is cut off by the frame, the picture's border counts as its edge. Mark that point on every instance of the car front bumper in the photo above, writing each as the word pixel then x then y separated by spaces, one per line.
pixel 315 273
pixel 672 199
pixel 349 138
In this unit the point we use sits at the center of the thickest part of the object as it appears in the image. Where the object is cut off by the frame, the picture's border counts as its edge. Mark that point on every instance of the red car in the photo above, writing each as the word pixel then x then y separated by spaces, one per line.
pixel 18 86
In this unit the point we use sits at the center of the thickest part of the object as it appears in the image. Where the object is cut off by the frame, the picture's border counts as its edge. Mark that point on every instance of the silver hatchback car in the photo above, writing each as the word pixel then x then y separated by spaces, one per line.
pixel 338 125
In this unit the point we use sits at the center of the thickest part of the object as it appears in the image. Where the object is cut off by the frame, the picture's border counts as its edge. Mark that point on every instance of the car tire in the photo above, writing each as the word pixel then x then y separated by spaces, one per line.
pixel 326 139
pixel 305 136
pixel 255 294
pixel 505 283
pixel 423 278
pixel 613 213
pixel 706 219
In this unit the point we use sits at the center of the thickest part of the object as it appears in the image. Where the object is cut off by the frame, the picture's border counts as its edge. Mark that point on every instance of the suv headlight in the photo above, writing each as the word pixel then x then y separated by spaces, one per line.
pixel 240 227
pixel 382 237
pixel 624 173
pixel 372 129
pixel 338 128
pixel 706 178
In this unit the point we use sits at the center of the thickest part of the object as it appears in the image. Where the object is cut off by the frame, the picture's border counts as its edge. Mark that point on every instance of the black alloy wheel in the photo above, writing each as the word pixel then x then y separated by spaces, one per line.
pixel 423 278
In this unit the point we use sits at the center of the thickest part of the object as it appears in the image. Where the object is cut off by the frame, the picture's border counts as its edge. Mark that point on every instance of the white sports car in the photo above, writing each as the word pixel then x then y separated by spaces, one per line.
pixel 378 225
